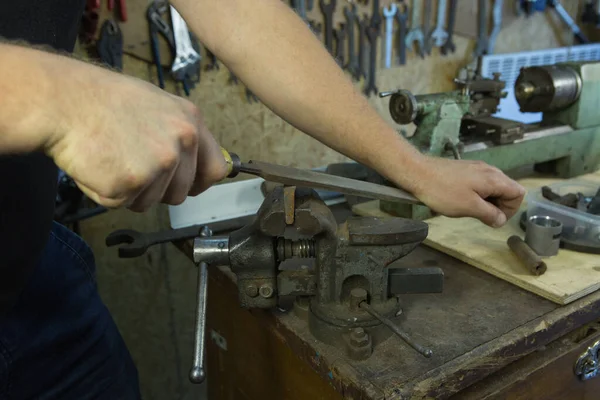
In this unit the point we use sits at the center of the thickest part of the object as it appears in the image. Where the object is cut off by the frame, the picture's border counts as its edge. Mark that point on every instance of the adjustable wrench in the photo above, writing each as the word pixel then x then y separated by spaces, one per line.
pixel 481 47
pixel 362 45
pixel 372 33
pixel 187 60
pixel 449 46
pixel 328 10
pixel 402 17
pixel 351 18
pixel 389 14
pixel 497 17
pixel 415 34
pixel 426 24
pixel 438 35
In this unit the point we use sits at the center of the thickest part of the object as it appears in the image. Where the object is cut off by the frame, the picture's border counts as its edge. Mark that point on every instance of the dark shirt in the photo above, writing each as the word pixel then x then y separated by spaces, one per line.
pixel 29 181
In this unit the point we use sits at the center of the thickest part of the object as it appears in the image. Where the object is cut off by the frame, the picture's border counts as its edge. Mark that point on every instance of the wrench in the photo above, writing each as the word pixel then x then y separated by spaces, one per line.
pixel 426 25
pixel 389 14
pixel 187 60
pixel 328 10
pixel 439 36
pixel 376 16
pixel 372 33
pixel 481 48
pixel 402 17
pixel 340 36
pixel 497 16
pixel 136 243
pixel 362 45
pixel 300 6
pixel 351 18
pixel 449 46
pixel 213 64
pixel 415 34
pixel 564 15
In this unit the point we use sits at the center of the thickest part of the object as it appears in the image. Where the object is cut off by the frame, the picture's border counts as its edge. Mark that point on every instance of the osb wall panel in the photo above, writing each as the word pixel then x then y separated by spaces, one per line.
pixel 152 297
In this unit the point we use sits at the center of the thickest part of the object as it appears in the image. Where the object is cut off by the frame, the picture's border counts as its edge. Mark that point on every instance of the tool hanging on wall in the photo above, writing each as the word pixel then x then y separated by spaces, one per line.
pixel 402 17
pixel 328 10
pixel 449 46
pixel 340 41
pixel 481 47
pixel 363 46
pixel 591 13
pixel 371 86
pixel 122 6
pixel 497 20
pixel 568 20
pixel 351 21
pixel 438 35
pixel 426 26
pixel 415 34
pixel 186 65
pixel 389 13
pixel 110 45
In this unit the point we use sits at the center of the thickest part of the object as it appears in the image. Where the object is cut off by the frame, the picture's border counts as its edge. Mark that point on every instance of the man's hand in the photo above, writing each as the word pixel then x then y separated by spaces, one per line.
pixel 128 143
pixel 468 189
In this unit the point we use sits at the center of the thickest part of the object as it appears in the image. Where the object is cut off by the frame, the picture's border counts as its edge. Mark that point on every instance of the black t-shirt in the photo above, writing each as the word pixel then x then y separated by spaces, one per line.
pixel 29 181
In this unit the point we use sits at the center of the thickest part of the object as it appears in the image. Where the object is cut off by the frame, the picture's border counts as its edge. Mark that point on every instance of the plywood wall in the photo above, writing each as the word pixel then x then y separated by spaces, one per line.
pixel 152 298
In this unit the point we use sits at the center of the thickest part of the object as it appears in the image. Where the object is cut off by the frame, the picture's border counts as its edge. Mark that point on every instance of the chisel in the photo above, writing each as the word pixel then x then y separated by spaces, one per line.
pixel 316 180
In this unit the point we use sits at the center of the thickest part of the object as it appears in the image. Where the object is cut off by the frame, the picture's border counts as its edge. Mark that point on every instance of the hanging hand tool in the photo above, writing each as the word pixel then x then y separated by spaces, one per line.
pixel 591 13
pixel 415 34
pixel 251 97
pixel 371 86
pixel 439 36
pixel 497 18
pixel 481 48
pixel 389 14
pixel 110 45
pixel 426 26
pixel 351 20
pixel 564 15
pixel 402 17
pixel 186 66
pixel 328 9
pixel 158 25
pixel 316 180
pixel 449 46
pixel 362 45
pixel 340 36
pixel 300 7
pixel 376 19
pixel 122 9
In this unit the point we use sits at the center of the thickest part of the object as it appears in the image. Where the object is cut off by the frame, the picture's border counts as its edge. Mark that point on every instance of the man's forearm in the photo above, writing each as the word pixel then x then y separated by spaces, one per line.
pixel 269 48
pixel 27 98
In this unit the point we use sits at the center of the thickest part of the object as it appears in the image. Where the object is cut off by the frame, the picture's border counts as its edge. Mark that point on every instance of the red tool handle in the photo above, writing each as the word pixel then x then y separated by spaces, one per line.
pixel 111 4
pixel 122 10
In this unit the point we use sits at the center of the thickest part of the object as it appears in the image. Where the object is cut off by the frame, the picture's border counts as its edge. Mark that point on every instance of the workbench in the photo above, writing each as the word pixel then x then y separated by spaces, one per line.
pixel 491 340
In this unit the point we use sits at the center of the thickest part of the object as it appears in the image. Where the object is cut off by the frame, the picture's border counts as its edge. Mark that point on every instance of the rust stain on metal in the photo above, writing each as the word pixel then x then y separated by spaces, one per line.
pixel 289 194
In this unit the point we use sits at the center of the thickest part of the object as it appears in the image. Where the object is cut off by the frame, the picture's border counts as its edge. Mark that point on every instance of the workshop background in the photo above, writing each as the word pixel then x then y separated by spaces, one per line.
pixel 152 298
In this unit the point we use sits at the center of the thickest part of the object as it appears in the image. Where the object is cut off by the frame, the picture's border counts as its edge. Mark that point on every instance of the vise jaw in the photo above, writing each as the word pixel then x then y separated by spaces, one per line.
pixel 350 291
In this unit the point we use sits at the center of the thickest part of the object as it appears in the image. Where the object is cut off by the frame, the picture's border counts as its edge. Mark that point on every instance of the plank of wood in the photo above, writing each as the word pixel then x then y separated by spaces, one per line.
pixel 570 276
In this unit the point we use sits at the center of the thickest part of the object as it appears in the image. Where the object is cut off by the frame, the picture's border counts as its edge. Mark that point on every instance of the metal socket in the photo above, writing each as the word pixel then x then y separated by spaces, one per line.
pixel 543 235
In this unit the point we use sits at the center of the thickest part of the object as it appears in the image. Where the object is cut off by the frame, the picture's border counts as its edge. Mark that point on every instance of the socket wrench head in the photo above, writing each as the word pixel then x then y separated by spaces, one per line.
pixel 543 235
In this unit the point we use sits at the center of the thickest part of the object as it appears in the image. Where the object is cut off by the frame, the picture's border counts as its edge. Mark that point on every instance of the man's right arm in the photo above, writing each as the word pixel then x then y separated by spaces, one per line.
pixel 124 141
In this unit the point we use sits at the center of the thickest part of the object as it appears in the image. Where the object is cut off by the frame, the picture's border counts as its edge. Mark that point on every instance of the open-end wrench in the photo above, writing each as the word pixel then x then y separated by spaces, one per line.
pixel 402 17
pixel 389 13
pixel 497 18
pixel 438 35
pixel 376 16
pixel 449 46
pixel 427 25
pixel 363 45
pixel 481 48
pixel 328 9
pixel 371 87
pixel 415 34
pixel 351 18
pixel 135 243
pixel 340 42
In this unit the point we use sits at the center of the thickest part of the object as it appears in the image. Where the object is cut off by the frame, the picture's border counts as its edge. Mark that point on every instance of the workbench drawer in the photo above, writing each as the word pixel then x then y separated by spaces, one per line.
pixel 547 374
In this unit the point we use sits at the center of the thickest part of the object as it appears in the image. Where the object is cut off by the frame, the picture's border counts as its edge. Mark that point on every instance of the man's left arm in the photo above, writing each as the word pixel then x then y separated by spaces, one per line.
pixel 275 54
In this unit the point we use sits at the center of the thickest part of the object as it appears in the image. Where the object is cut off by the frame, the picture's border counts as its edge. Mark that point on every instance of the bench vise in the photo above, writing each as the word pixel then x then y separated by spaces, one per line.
pixel 343 283
pixel 460 124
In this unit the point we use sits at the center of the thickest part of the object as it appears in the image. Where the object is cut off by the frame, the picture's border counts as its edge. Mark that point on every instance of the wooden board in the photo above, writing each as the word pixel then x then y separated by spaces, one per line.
pixel 570 276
